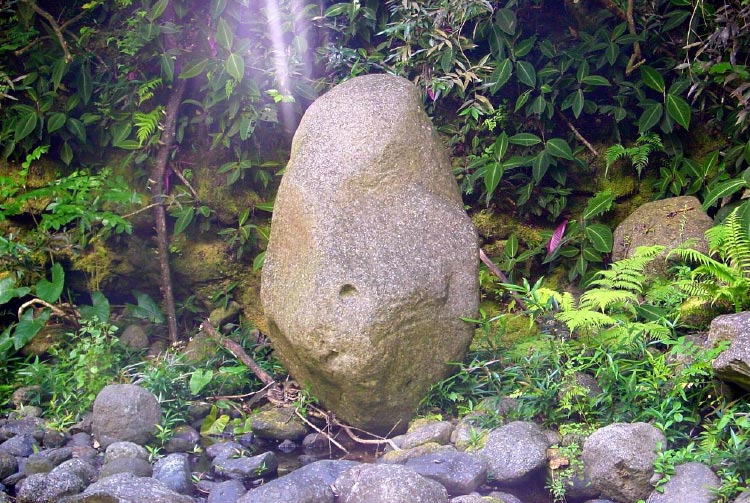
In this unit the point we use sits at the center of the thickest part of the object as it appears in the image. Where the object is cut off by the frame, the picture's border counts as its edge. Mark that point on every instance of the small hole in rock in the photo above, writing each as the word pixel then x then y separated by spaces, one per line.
pixel 347 291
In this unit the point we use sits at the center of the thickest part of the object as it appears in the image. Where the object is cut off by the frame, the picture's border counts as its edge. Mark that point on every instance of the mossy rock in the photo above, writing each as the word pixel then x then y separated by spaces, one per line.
pixel 226 201
pixel 697 312
pixel 492 227
pixel 510 331
pixel 42 173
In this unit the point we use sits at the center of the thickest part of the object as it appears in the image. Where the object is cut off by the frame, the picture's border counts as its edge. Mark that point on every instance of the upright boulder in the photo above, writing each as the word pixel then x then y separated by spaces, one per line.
pixel 733 364
pixel 668 222
pixel 619 460
pixel 125 412
pixel 372 261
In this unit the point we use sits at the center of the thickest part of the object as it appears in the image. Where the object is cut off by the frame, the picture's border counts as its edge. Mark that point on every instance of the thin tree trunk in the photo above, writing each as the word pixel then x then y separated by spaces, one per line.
pixel 160 217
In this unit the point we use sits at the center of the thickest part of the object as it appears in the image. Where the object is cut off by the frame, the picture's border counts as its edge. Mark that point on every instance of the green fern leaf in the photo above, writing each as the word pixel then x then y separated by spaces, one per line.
pixel 585 319
pixel 603 298
pixel 147 123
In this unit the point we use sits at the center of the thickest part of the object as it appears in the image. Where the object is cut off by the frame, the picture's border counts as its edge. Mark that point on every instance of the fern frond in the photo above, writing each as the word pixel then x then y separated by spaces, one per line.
pixel 737 243
pixel 146 90
pixel 567 302
pixel 650 139
pixel 718 272
pixel 692 255
pixel 147 123
pixel 614 153
pixel 639 158
pixel 605 298
pixel 696 289
pixel 627 274
pixel 585 319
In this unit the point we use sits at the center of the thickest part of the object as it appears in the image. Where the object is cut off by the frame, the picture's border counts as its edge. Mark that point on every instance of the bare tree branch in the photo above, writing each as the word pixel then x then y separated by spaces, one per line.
pixel 55 28
pixel 237 350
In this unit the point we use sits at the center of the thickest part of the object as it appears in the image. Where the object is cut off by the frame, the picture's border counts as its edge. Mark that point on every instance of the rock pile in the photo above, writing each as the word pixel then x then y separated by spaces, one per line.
pixel 434 462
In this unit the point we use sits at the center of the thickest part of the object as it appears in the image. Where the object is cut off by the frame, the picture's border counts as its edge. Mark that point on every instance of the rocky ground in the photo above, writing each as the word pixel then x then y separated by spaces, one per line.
pixel 104 459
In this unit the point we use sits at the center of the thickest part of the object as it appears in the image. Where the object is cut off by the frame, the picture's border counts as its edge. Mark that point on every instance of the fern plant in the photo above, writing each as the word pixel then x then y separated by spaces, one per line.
pixel 608 311
pixel 638 154
pixel 147 123
pixel 726 278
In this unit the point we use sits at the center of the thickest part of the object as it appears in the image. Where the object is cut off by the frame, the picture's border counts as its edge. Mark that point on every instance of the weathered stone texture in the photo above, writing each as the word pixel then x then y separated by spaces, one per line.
pixel 372 260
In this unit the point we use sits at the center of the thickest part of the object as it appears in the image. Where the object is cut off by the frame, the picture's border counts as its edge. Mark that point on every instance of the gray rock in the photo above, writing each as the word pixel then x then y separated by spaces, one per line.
pixel 278 423
pixel 691 483
pixel 36 463
pixel 48 487
pixel 733 364
pixel 505 497
pixel 78 467
pixel 475 498
pixel 222 315
pixel 174 471
pixel 33 426
pixel 54 438
pixel 467 436
pixel 8 464
pixel 80 439
pixel 667 222
pixel 619 460
pixel 184 439
pixel 21 446
pixel 124 450
pixel 86 453
pixel 134 337
pixel 514 452
pixel 372 260
pixel 743 497
pixel 25 395
pixel 401 456
pixel 136 466
pixel 387 484
pixel 225 450
pixel 578 487
pixel 459 472
pixel 127 488
pixel 309 484
pixel 125 412
pixel 434 431
pixel 229 491
pixel 246 468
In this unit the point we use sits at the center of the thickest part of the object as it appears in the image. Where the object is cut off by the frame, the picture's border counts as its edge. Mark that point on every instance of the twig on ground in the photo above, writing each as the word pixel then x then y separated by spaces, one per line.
pixel 329 437
pixel 366 441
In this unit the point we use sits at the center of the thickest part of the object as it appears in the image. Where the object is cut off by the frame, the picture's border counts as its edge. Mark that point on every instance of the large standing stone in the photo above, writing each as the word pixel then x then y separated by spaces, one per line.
pixel 372 260
pixel 125 412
